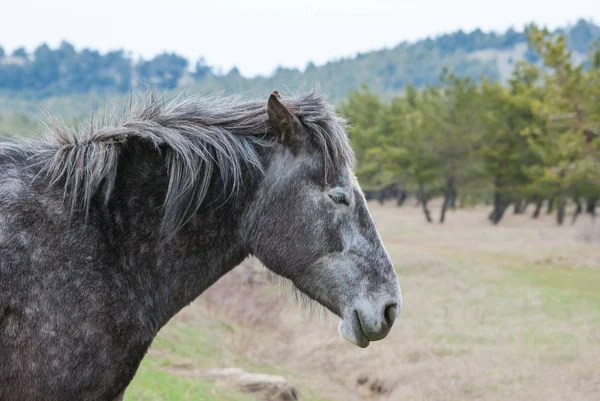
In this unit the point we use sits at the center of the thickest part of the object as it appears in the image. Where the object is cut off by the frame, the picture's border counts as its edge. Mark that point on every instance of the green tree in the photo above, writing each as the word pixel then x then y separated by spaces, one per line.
pixel 364 111
pixel 409 148
pixel 508 122
pixel 451 113
pixel 567 145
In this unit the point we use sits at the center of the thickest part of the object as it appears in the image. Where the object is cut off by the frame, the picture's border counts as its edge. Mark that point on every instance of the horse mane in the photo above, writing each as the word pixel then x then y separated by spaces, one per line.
pixel 197 134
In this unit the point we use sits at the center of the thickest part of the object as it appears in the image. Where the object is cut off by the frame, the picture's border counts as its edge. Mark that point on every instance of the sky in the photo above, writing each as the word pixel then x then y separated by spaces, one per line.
pixel 257 36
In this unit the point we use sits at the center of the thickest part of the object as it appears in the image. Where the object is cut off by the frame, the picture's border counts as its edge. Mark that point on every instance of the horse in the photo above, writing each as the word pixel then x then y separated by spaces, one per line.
pixel 107 231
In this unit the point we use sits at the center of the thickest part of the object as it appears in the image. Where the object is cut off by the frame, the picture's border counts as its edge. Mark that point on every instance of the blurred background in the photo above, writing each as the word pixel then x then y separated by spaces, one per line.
pixel 477 132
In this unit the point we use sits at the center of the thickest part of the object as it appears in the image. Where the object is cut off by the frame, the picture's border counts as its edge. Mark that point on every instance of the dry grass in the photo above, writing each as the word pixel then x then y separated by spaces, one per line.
pixel 490 313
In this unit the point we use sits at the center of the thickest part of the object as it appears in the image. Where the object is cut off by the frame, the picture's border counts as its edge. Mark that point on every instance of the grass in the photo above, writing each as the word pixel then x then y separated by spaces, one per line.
pixel 187 345
pixel 183 341
pixel 180 344
pixel 151 383
pixel 566 284
pixel 565 293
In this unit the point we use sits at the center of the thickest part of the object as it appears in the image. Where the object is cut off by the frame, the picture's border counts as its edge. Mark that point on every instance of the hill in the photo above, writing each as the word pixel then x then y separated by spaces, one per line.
pixel 66 79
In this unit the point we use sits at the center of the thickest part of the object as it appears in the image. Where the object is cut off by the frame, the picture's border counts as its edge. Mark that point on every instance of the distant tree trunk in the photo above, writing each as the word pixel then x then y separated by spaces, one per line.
pixel 560 212
pixel 381 196
pixel 449 195
pixel 499 208
pixel 578 210
pixel 423 197
pixel 590 207
pixel 401 197
pixel 453 198
pixel 519 207
pixel 500 205
pixel 444 207
pixel 550 206
pixel 538 208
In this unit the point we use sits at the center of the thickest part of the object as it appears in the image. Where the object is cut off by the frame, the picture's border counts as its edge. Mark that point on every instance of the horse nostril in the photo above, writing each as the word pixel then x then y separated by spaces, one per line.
pixel 390 314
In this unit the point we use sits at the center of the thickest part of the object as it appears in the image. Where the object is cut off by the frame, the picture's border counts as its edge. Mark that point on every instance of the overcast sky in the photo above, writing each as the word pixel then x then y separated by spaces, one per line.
pixel 259 35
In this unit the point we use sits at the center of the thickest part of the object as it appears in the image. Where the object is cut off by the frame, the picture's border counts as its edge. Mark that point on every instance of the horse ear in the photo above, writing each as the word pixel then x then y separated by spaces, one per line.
pixel 283 121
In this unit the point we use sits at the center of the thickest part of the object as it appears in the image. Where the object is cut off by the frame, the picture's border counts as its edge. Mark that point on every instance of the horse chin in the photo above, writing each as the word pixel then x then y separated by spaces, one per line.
pixel 351 329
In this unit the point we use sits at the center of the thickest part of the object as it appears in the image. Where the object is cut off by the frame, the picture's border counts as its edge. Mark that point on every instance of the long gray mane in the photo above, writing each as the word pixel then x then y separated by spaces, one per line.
pixel 197 135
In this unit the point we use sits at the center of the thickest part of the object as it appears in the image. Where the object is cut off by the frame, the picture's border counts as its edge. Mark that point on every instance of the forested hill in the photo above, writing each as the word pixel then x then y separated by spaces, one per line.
pixel 48 72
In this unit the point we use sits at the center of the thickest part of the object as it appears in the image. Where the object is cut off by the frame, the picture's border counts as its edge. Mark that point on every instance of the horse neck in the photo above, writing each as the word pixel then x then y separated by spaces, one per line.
pixel 176 270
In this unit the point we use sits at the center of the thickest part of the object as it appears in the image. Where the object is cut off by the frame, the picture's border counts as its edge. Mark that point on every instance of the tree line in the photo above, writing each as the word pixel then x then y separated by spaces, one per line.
pixel 532 141
pixel 64 71
pixel 47 72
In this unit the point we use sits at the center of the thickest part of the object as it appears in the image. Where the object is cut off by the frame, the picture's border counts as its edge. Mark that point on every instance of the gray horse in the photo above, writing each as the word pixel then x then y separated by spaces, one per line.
pixel 107 234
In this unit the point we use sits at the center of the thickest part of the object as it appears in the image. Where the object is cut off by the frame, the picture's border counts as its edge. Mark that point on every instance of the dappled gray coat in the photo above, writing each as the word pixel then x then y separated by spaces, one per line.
pixel 105 235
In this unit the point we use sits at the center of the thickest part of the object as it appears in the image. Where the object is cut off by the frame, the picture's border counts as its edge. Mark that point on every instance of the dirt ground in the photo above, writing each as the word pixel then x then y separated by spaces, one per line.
pixel 507 312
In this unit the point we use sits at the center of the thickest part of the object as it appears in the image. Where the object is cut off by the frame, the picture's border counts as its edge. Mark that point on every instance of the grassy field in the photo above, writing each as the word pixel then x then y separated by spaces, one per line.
pixel 490 313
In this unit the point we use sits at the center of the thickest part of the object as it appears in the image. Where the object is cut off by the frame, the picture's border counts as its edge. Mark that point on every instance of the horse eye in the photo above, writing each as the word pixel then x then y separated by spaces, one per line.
pixel 339 198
